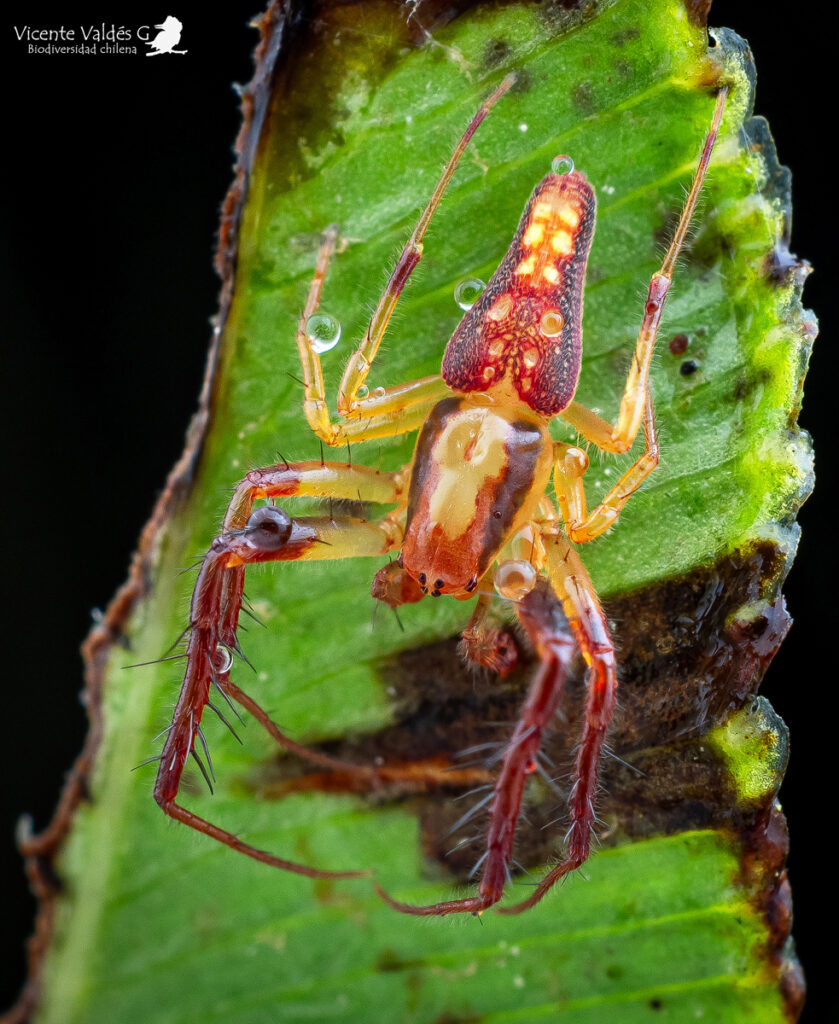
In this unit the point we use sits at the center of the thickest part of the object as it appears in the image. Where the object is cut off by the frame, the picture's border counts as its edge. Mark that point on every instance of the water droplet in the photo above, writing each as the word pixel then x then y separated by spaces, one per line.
pixel 222 660
pixel 362 392
pixel 323 331
pixel 468 291
pixel 514 579
pixel 562 164
pixel 379 393
pixel 551 323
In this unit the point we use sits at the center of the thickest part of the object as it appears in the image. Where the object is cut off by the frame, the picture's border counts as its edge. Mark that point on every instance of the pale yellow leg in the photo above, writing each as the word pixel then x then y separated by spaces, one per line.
pixel 621 436
pixel 571 464
pixel 399 409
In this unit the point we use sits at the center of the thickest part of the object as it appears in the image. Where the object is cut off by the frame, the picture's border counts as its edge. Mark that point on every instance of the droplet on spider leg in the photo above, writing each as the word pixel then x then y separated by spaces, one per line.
pixel 468 291
pixel 222 660
pixel 323 332
pixel 514 579
pixel 362 392
pixel 562 164
pixel 267 528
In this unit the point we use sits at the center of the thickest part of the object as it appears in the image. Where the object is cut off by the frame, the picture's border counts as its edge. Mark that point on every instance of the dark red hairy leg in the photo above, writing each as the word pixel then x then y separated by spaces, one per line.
pixel 269 535
pixel 591 630
pixel 186 727
pixel 541 614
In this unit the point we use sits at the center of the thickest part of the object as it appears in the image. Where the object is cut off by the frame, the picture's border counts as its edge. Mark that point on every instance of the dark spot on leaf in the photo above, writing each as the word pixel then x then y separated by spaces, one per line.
pixel 496 52
pixel 655 1004
pixel 387 962
pixel 747 384
pixel 582 96
pixel 688 367
pixel 560 16
pixel 615 971
pixel 626 35
pixel 678 344
pixel 523 81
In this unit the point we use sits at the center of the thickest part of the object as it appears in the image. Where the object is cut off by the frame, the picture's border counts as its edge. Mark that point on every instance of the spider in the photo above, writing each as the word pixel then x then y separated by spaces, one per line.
pixel 471 515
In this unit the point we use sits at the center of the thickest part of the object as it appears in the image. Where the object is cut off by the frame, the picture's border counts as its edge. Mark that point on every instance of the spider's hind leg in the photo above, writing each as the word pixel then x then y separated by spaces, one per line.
pixel 572 583
pixel 541 614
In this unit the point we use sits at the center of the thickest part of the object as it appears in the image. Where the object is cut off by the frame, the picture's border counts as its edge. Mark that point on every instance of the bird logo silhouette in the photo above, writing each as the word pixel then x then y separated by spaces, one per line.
pixel 167 38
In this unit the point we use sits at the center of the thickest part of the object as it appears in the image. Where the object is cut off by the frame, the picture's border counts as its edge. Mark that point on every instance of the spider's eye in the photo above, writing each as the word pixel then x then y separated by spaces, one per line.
pixel 268 528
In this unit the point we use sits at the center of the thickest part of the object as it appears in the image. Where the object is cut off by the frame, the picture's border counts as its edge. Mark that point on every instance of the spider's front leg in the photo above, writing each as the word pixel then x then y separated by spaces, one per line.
pixel 621 436
pixel 267 534
pixel 541 614
pixel 395 410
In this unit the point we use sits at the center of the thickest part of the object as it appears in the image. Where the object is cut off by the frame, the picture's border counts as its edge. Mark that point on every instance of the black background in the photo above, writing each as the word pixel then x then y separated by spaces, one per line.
pixel 115 169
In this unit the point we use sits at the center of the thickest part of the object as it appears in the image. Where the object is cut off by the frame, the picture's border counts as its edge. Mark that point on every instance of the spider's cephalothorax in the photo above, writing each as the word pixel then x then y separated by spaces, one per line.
pixel 471 514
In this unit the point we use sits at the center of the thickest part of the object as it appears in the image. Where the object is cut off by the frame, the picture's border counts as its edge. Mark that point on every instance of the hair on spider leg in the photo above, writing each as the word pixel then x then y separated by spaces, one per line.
pixel 185 632
pixel 472 792
pixel 224 721
pixel 467 751
pixel 459 845
pixel 608 752
pixel 194 754
pixel 509 745
pixel 464 818
pixel 518 864
pixel 163 732
pixel 224 694
pixel 240 654
pixel 192 567
pixel 149 760
pixel 252 615
pixel 203 739
pixel 478 863
pixel 551 784
pixel 541 756
pixel 156 661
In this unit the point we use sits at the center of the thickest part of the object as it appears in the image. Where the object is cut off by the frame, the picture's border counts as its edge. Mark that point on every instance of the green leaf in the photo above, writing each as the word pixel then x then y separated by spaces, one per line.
pixel 677 918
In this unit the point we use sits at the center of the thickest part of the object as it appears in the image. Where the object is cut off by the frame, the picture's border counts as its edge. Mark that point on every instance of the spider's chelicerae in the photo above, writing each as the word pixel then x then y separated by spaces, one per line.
pixel 470 514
